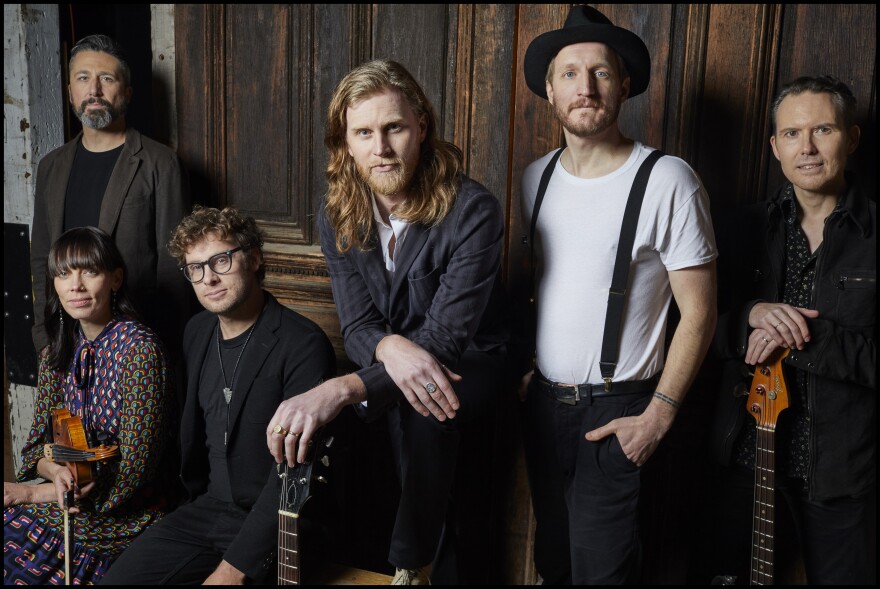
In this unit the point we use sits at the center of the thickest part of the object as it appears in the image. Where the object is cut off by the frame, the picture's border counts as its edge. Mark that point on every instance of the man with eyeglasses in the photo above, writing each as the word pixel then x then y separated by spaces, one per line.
pixel 245 354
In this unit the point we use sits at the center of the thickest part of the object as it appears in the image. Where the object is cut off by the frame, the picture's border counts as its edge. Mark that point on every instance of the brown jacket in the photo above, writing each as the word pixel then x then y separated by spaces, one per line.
pixel 146 198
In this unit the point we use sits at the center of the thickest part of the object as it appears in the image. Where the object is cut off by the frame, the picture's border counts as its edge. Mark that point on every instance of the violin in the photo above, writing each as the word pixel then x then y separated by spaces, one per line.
pixel 71 447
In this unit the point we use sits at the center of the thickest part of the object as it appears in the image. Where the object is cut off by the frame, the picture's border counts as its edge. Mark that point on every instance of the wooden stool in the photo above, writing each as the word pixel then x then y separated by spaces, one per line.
pixel 343 575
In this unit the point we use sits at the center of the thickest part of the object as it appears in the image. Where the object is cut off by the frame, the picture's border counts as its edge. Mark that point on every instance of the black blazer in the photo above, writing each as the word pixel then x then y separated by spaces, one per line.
pixel 288 354
pixel 445 295
pixel 841 357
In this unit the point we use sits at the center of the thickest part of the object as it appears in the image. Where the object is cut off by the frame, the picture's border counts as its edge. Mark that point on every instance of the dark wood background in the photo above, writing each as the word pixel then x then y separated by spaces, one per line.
pixel 253 84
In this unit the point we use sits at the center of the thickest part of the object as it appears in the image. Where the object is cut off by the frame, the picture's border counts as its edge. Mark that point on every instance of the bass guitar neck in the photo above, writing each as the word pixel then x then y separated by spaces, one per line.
pixel 768 397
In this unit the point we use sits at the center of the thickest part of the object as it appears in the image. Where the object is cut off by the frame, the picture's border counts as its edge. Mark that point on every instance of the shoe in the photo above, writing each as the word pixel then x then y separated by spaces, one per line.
pixel 420 576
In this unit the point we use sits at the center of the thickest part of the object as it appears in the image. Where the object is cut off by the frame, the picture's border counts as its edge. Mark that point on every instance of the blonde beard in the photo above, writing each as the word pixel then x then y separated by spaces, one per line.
pixel 387 184
pixel 580 128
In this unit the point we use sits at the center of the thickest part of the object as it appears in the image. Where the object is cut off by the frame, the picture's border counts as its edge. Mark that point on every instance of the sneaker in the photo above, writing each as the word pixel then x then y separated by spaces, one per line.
pixel 420 576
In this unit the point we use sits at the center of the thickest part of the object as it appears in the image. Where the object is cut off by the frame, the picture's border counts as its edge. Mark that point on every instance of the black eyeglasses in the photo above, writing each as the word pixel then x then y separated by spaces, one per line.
pixel 218 263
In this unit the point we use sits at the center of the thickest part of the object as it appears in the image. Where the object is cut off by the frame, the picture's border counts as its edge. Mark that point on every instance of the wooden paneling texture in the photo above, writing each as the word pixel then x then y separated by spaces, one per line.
pixel 254 83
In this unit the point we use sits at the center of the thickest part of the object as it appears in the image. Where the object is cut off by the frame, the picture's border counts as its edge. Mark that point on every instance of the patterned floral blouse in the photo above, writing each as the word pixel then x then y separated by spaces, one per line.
pixel 119 385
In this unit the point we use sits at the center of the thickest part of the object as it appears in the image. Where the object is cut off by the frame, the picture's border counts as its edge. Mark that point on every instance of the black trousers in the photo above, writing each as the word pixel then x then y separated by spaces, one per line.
pixel 432 523
pixel 837 538
pixel 183 548
pixel 585 495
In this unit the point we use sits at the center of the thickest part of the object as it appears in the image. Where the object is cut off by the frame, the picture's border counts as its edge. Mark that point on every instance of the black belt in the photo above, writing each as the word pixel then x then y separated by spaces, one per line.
pixel 572 393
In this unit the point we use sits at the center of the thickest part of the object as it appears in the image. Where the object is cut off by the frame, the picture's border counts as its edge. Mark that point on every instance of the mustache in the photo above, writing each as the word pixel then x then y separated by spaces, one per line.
pixel 100 101
pixel 388 162
pixel 585 104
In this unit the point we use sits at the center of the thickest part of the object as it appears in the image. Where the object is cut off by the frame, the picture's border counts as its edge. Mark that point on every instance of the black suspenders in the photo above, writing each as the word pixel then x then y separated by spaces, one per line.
pixel 620 278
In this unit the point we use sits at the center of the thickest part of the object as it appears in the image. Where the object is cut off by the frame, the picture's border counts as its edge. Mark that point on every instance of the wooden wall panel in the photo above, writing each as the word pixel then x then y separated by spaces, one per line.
pixel 484 90
pixel 735 94
pixel 416 36
pixel 642 117
pixel 685 79
pixel 268 174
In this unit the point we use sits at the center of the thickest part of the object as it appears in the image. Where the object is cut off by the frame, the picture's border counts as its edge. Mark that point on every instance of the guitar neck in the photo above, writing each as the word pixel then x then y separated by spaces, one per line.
pixel 763 514
pixel 295 491
pixel 768 397
pixel 288 548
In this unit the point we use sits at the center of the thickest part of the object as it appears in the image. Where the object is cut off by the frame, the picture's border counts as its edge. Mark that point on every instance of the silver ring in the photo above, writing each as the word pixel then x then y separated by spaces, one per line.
pixel 766 341
pixel 431 388
pixel 777 325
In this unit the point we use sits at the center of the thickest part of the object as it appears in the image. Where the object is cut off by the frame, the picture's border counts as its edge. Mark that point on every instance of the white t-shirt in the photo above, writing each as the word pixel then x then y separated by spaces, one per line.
pixel 577 234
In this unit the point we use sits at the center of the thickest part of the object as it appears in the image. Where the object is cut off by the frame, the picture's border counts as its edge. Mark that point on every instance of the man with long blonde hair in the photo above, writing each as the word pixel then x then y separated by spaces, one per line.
pixel 413 248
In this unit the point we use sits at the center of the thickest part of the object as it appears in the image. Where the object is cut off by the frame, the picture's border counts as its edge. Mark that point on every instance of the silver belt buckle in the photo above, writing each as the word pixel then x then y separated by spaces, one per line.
pixel 569 400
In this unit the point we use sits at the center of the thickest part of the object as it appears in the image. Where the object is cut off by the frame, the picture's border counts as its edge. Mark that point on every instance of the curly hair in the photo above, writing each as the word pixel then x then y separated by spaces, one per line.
pixel 228 223
pixel 435 184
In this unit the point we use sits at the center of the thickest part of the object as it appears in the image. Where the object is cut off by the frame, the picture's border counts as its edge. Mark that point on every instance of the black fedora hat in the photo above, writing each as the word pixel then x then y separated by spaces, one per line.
pixel 586 24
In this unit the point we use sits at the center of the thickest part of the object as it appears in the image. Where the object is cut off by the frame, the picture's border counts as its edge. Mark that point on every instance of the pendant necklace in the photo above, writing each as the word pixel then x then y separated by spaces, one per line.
pixel 227 388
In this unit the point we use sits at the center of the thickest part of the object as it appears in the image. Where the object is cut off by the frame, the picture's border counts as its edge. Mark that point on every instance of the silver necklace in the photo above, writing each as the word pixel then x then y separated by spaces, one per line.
pixel 227 389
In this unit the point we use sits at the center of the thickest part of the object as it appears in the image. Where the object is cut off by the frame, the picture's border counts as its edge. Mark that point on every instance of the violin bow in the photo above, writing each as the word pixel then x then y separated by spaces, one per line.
pixel 68 499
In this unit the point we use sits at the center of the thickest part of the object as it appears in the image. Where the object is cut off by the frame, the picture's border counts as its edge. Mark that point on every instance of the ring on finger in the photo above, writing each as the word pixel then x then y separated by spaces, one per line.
pixel 766 341
pixel 777 325
pixel 279 429
pixel 430 387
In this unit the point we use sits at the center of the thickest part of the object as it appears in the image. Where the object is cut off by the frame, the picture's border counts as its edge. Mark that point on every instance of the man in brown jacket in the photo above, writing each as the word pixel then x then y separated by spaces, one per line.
pixel 112 177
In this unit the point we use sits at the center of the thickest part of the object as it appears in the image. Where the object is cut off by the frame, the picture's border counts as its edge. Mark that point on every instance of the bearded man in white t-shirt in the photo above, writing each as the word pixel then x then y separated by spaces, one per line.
pixel 591 428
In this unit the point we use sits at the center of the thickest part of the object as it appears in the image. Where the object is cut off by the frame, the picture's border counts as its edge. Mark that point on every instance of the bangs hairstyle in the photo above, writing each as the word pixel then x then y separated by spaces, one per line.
pixel 228 223
pixel 435 181
pixel 82 248
pixel 75 250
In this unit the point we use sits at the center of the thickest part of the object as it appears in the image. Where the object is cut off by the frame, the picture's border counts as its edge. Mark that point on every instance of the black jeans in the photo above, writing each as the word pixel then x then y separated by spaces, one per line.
pixel 585 494
pixel 183 548
pixel 838 537
pixel 434 523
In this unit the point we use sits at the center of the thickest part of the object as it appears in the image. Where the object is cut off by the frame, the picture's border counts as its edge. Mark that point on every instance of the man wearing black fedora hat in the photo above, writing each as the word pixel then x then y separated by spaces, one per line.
pixel 599 400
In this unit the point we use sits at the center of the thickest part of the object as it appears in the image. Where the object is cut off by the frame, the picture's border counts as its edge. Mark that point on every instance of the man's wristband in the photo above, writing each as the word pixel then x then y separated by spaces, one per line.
pixel 667 399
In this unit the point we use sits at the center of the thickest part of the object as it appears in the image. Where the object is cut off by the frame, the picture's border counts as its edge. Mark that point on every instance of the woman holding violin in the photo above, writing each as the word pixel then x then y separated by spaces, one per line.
pixel 101 424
